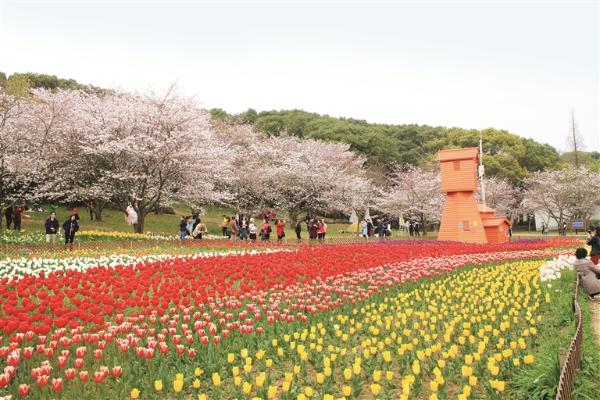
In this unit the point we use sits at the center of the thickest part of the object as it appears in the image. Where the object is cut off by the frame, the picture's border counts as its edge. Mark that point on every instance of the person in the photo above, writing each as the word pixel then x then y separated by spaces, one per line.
pixel 298 230
pixel 199 230
pixel 411 228
pixel 588 272
pixel 544 228
pixel 564 228
pixel 182 227
pixel 9 216
pixel 322 229
pixel 510 232
pixel 17 217
pixel 70 227
pixel 131 216
pixel 51 226
pixel 243 232
pixel 364 228
pixel 417 228
pixel 189 225
pixel 252 229
pixel 370 227
pixel 280 227
pixel 224 225
pixel 266 231
pixel 76 213
pixel 232 228
pixel 91 207
pixel 313 229
pixel 594 241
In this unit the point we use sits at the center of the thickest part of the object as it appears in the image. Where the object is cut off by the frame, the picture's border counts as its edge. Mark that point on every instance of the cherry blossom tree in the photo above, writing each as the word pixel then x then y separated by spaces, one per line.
pixel 502 196
pixel 414 192
pixel 15 147
pixel 564 194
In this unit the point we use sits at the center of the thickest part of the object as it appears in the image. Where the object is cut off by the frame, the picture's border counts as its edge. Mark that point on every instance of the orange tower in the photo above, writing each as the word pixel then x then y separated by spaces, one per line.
pixel 461 220
pixel 464 220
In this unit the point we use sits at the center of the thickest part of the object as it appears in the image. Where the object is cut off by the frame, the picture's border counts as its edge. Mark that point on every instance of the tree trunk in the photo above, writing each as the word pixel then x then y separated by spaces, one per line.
pixel 1 216
pixel 139 227
pixel 424 225
pixel 98 212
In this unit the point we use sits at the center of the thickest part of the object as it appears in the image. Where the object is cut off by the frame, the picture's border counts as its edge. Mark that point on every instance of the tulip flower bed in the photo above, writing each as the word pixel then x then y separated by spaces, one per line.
pixel 106 330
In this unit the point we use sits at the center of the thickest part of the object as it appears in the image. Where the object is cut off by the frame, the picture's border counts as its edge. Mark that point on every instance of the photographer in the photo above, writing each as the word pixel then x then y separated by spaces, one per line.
pixel 594 241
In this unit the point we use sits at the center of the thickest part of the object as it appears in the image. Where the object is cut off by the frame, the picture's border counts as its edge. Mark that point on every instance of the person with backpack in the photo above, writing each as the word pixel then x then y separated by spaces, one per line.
pixel 70 227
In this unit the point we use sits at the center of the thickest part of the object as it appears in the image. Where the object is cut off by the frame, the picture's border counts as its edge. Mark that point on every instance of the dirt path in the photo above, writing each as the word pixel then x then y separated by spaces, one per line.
pixel 595 307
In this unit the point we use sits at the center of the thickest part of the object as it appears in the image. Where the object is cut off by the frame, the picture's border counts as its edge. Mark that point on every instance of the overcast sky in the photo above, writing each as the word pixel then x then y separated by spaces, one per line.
pixel 520 66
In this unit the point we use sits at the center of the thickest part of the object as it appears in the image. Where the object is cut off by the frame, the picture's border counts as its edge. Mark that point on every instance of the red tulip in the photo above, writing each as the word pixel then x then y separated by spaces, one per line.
pixel 57 385
pixel 84 376
pixel 4 380
pixel 23 389
pixel 70 373
pixel 117 371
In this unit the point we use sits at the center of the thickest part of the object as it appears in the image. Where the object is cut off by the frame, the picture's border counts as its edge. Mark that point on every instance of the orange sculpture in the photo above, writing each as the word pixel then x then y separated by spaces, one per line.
pixel 464 220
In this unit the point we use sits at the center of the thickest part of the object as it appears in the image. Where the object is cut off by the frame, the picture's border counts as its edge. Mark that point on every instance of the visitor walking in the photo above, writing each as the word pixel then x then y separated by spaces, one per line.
pixel 252 230
pixel 313 229
pixel 417 228
pixel 9 216
pixel 51 226
pixel 280 227
pixel 18 217
pixel 364 228
pixel 594 241
pixel 298 230
pixel 182 228
pixel 544 228
pixel 70 227
pixel 224 225
pixel 266 230
pixel 232 228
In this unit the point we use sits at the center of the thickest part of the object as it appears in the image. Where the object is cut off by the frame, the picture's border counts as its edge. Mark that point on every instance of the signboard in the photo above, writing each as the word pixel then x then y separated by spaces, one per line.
pixel 578 224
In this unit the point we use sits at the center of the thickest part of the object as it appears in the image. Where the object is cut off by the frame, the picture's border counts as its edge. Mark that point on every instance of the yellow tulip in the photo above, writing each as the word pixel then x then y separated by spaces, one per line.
pixel 308 391
pixel 196 384
pixel 135 393
pixel 158 385
pixel 216 379
pixel 177 385
pixel 230 358
pixel 271 392
pixel 198 372
pixel 528 359
pixel 320 377
pixel 375 389
pixel 347 374
pixel 346 390
pixel 376 375
pixel 246 387
pixel 201 396
pixel 473 380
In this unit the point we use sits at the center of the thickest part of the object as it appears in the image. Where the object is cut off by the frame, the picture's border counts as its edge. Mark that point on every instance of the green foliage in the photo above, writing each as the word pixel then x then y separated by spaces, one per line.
pixel 587 159
pixel 2 79
pixel 34 80
pixel 17 85
pixel 506 155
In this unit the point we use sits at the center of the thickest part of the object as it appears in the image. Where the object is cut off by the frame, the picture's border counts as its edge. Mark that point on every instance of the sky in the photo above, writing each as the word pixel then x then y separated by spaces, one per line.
pixel 515 65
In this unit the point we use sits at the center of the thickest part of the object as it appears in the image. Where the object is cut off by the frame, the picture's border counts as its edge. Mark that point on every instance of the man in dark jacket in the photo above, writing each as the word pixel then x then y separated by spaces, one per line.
pixel 71 226
pixel 594 241
pixel 9 216
pixel 17 217
pixel 51 226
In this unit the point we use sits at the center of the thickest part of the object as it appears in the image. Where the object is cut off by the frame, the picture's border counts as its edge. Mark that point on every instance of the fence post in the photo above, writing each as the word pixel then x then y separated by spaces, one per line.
pixel 562 357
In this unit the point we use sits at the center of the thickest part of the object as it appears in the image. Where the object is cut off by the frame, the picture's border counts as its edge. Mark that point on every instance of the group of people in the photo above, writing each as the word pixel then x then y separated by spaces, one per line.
pixel 14 216
pixel 588 269
pixel 192 226
pixel 70 227
pixel 381 228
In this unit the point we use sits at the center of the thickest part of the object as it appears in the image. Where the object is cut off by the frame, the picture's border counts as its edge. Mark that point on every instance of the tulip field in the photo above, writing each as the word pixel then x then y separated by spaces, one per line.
pixel 389 320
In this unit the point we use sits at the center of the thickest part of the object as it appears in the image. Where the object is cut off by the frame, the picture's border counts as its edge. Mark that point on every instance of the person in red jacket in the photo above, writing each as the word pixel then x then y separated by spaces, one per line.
pixel 280 226
pixel 265 232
